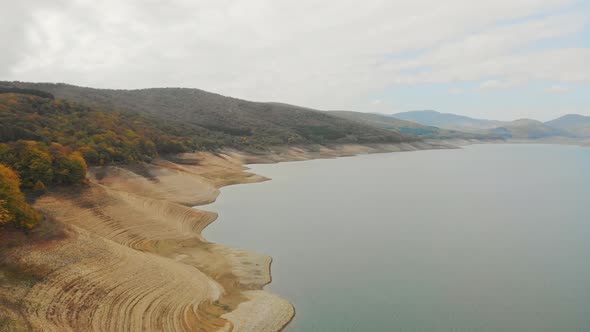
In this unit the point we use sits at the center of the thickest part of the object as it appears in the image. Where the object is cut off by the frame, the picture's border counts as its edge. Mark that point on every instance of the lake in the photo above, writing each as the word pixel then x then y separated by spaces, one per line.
pixel 485 238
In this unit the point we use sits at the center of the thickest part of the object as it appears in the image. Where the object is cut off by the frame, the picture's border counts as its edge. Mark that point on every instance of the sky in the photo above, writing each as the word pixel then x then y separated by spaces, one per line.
pixel 501 59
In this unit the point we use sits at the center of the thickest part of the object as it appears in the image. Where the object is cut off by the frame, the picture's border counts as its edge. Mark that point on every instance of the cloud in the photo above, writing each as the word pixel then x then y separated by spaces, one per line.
pixel 456 91
pixel 15 19
pixel 557 89
pixel 496 84
pixel 332 54
pixel 501 51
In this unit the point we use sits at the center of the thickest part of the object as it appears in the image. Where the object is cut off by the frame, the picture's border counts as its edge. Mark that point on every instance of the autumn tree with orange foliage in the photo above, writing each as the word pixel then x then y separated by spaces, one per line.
pixel 14 210
pixel 4 215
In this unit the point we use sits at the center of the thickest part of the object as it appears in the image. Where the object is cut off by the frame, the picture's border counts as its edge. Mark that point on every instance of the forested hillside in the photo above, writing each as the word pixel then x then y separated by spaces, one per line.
pixel 236 123
pixel 103 136
pixel 49 133
pixel 46 142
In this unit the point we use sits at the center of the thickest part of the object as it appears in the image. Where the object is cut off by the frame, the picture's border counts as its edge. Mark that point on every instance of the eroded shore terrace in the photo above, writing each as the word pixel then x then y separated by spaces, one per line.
pixel 127 253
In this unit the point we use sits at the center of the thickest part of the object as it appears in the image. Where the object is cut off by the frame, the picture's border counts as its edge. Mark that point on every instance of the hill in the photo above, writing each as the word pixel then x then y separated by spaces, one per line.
pixel 448 120
pixel 49 133
pixel 575 124
pixel 527 129
pixel 570 126
pixel 233 122
pixel 103 137
pixel 407 127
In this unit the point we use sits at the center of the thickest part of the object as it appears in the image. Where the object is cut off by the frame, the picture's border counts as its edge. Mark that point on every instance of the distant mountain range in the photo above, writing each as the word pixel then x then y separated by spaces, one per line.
pixel 571 125
pixel 448 121
pixel 409 127
pixel 578 125
pixel 436 125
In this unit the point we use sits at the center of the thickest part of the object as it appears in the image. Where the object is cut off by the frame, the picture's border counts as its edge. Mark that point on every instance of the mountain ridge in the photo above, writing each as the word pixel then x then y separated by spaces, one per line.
pixel 409 127
pixel 234 122
pixel 448 120
pixel 577 124
pixel 569 125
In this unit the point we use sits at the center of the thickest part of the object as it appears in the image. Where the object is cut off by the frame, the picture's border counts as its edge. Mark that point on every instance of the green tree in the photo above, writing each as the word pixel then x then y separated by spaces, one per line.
pixel 32 163
pixel 76 167
pixel 39 187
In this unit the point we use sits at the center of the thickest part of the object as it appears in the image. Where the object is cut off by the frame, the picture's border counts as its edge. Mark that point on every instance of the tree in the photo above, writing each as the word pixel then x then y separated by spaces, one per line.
pixel 4 214
pixel 67 166
pixel 14 210
pixel 39 165
pixel 32 163
pixel 76 167
pixel 39 187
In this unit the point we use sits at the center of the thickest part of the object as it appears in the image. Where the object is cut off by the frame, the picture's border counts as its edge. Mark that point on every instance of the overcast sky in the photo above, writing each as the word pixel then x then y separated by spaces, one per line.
pixel 501 59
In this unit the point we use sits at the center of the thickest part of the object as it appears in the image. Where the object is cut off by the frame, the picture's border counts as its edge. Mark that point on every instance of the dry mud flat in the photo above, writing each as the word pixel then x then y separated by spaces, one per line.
pixel 131 256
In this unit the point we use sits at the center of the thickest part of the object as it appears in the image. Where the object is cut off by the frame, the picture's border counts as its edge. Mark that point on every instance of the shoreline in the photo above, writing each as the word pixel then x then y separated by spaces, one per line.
pixel 250 233
pixel 145 220
pixel 285 155
pixel 274 158
pixel 140 220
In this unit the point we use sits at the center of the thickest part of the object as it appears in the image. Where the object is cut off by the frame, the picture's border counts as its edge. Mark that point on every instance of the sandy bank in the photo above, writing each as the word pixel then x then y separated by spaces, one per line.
pixel 133 258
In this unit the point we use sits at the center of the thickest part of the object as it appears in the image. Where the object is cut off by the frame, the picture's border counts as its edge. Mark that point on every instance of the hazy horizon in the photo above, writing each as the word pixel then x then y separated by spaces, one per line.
pixel 503 60
pixel 120 120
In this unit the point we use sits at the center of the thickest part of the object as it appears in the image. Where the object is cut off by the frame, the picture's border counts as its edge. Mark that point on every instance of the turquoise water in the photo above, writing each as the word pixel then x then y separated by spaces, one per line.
pixel 487 238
